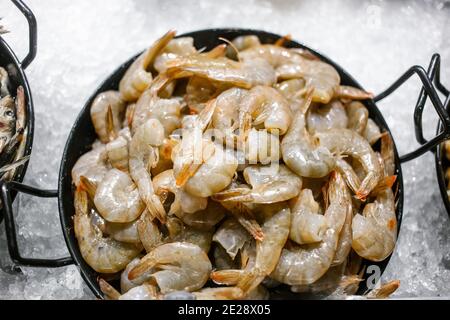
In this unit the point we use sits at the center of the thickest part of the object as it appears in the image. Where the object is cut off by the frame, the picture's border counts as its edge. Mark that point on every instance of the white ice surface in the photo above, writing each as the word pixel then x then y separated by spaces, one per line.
pixel 81 42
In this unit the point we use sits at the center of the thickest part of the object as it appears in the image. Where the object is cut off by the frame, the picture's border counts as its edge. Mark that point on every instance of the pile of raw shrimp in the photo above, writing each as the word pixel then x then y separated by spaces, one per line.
pixel 12 127
pixel 232 173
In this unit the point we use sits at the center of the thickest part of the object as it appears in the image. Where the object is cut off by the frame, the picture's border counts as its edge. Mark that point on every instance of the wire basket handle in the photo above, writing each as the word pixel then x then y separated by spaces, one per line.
pixel 430 82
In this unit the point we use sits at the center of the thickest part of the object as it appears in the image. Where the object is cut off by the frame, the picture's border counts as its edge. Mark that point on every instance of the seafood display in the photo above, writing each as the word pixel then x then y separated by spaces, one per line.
pixel 233 173
pixel 13 131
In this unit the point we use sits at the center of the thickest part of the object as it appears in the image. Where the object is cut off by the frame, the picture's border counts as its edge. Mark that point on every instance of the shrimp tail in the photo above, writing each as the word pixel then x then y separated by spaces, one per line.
pixel 217 51
pixel 385 290
pixel 385 183
pixel 89 186
pixel 141 268
pixel 110 128
pixel 153 51
pixel 236 194
pixel 108 290
pixel 205 116
pixel 250 280
pixel 227 277
pixel 186 172
pixel 155 208
pixel 367 185
pixel 246 218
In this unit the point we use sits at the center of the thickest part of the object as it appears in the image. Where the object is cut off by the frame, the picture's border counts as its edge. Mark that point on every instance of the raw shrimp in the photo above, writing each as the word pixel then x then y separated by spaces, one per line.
pixel 276 220
pixel 189 155
pixel 183 203
pixel 137 78
pixel 348 92
pixel 240 74
pixel 125 283
pixel 108 101
pixel 150 106
pixel 320 75
pixel 176 47
pixel 165 156
pixel 124 232
pixel 302 153
pixel 308 224
pixel 293 90
pixel 374 233
pixel 266 107
pixel 299 265
pixel 117 198
pixel 117 153
pixel 199 91
pixel 327 283
pixel 104 255
pixel 357 116
pixel 92 165
pixel 232 237
pixel 275 55
pixel 269 185
pixel 262 146
pixel 226 114
pixel 348 142
pixel 148 232
pixel 143 155
pixel 175 266
pixel 325 117
pixel 344 244
pixel 372 132
pixel 145 291
pixel 213 175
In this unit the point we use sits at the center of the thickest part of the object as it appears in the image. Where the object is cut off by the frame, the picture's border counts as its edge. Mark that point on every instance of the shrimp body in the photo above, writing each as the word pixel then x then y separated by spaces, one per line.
pixel 149 106
pixel 301 152
pixel 262 146
pixel 104 255
pixel 269 185
pixel 325 117
pixel 137 78
pixel 320 75
pixel 276 56
pixel 265 106
pixel 308 225
pixel 183 46
pixel 276 221
pixel 92 165
pixel 358 116
pixel 348 142
pixel 226 114
pixel 175 266
pixel 143 155
pixel 99 112
pixel 117 198
pixel 374 233
pixel 183 203
pixel 301 265
pixel 240 74
pixel 215 174
pixel 117 152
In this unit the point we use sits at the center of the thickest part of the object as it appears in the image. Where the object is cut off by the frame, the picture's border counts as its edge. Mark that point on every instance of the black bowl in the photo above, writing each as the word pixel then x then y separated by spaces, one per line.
pixel 83 135
pixel 15 68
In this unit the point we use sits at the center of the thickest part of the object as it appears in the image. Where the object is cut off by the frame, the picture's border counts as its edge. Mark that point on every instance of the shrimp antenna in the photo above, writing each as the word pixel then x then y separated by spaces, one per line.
pixel 231 44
